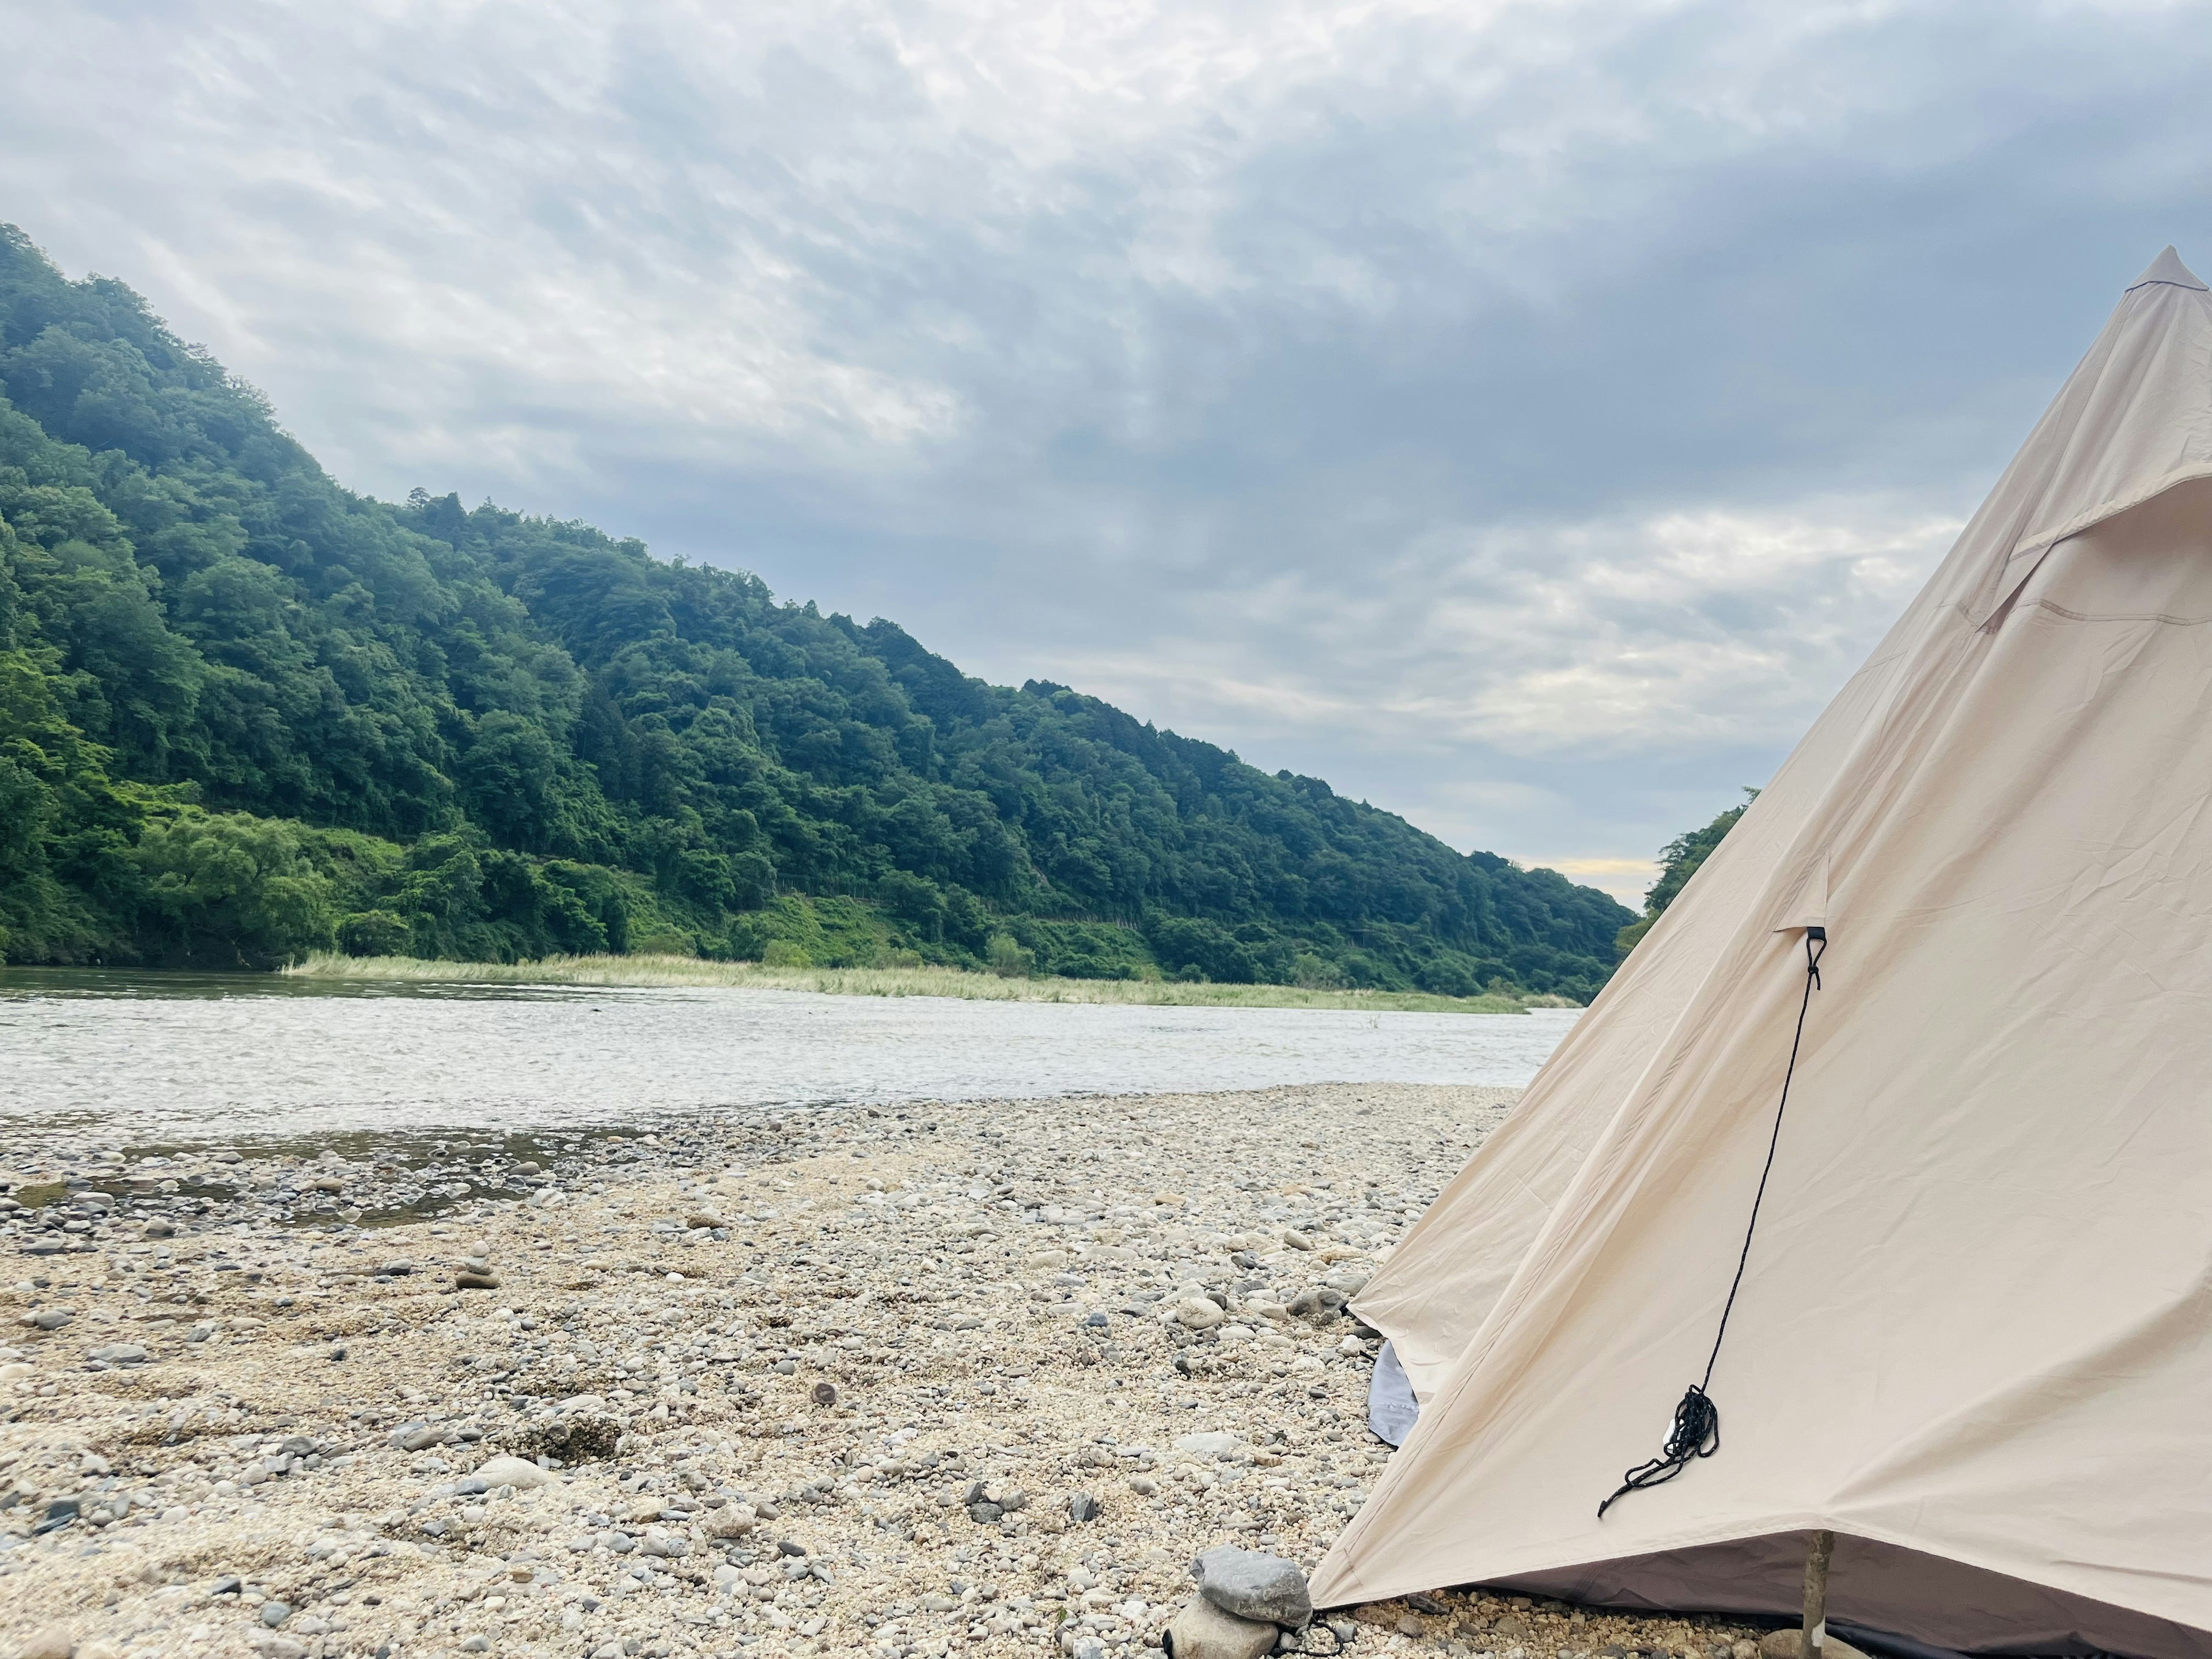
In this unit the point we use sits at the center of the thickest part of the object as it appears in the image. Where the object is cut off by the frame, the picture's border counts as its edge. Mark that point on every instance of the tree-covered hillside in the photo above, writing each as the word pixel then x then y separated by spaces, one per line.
pixel 244 714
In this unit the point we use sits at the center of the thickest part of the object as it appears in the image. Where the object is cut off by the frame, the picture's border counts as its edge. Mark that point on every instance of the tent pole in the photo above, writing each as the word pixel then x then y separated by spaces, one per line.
pixel 1818 1548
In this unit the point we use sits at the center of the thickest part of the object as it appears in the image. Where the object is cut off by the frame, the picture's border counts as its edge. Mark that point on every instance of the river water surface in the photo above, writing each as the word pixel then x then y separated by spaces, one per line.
pixel 179 1058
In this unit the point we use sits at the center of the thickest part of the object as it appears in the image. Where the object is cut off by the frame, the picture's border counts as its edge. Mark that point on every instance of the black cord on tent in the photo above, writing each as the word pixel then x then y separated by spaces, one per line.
pixel 1697 1430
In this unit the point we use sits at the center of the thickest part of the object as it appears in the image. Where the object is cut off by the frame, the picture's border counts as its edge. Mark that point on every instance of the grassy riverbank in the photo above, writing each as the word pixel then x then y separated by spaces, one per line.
pixel 651 971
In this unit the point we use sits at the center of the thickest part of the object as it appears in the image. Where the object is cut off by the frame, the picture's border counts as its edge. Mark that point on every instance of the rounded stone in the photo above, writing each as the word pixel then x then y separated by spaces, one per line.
pixel 1254 1585
pixel 1202 1630
pixel 515 1471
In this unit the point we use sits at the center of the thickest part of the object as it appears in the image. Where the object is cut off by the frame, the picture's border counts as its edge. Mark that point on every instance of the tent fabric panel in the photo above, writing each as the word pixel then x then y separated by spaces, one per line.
pixel 1978 1313
pixel 1933 1177
pixel 2132 422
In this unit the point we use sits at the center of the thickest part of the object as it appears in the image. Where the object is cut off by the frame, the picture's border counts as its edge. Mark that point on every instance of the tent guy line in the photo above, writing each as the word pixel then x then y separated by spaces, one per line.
pixel 1697 1430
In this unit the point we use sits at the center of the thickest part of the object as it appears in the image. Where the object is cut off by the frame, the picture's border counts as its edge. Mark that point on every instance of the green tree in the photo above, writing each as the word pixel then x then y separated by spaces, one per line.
pixel 1008 957
pixel 231 890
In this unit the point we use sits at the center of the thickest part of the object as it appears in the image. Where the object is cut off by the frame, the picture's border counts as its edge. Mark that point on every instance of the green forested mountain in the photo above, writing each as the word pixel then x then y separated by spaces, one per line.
pixel 245 713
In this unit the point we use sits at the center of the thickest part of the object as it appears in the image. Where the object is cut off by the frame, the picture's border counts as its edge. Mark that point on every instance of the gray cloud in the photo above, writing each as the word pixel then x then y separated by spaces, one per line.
pixel 1523 416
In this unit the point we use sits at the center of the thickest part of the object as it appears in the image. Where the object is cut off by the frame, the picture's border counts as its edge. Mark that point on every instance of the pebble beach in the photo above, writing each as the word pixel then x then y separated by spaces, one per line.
pixel 958 1378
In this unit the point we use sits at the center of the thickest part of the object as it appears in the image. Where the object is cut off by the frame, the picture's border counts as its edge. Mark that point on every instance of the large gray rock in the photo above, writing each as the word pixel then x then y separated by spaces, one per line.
pixel 1202 1630
pixel 1254 1585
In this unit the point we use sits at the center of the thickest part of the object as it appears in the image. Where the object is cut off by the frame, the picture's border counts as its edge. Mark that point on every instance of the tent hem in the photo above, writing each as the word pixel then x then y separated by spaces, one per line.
pixel 1878 1585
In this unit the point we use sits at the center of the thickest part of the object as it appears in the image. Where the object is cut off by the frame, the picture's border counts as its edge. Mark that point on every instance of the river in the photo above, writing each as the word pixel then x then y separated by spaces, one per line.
pixel 177 1058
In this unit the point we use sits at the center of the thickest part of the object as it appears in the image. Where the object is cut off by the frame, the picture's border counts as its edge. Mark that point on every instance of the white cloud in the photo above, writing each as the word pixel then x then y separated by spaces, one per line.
pixel 1522 414
pixel 1684 630
pixel 1674 633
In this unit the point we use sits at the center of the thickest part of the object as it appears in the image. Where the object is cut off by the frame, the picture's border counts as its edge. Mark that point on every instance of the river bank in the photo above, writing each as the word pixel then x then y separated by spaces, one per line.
pixel 954 1378
pixel 648 970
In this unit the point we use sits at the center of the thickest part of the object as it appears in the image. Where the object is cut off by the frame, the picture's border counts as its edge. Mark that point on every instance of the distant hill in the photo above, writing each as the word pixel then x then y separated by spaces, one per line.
pixel 245 713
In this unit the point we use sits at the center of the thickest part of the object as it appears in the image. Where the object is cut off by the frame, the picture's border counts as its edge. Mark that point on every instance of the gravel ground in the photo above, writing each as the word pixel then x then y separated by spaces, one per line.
pixel 973 1378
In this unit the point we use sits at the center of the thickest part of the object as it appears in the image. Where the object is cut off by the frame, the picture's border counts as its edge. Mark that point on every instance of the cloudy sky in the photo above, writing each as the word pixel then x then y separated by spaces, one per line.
pixel 1523 416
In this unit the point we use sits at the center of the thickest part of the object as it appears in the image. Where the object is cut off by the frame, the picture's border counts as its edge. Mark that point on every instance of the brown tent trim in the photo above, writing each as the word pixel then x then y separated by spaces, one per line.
pixel 1878 1586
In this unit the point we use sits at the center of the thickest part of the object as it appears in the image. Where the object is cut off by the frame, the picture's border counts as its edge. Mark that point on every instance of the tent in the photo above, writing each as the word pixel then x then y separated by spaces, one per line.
pixel 1973 1331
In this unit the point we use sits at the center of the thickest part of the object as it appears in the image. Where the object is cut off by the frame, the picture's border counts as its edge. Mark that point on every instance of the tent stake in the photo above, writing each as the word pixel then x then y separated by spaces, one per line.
pixel 1818 1548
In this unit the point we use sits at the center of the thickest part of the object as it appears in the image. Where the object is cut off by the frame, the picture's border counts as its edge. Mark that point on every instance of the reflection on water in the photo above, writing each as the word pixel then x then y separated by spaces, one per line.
pixel 183 1057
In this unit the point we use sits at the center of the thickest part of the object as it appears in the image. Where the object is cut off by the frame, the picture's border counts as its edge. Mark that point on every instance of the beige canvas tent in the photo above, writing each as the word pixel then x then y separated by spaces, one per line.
pixel 1973 1334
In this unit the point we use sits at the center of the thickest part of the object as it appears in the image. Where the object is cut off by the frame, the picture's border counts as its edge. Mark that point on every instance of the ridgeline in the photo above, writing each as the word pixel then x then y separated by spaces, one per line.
pixel 246 714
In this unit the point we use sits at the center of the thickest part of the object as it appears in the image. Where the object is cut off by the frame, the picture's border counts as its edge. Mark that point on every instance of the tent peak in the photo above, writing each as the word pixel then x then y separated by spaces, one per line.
pixel 2167 268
